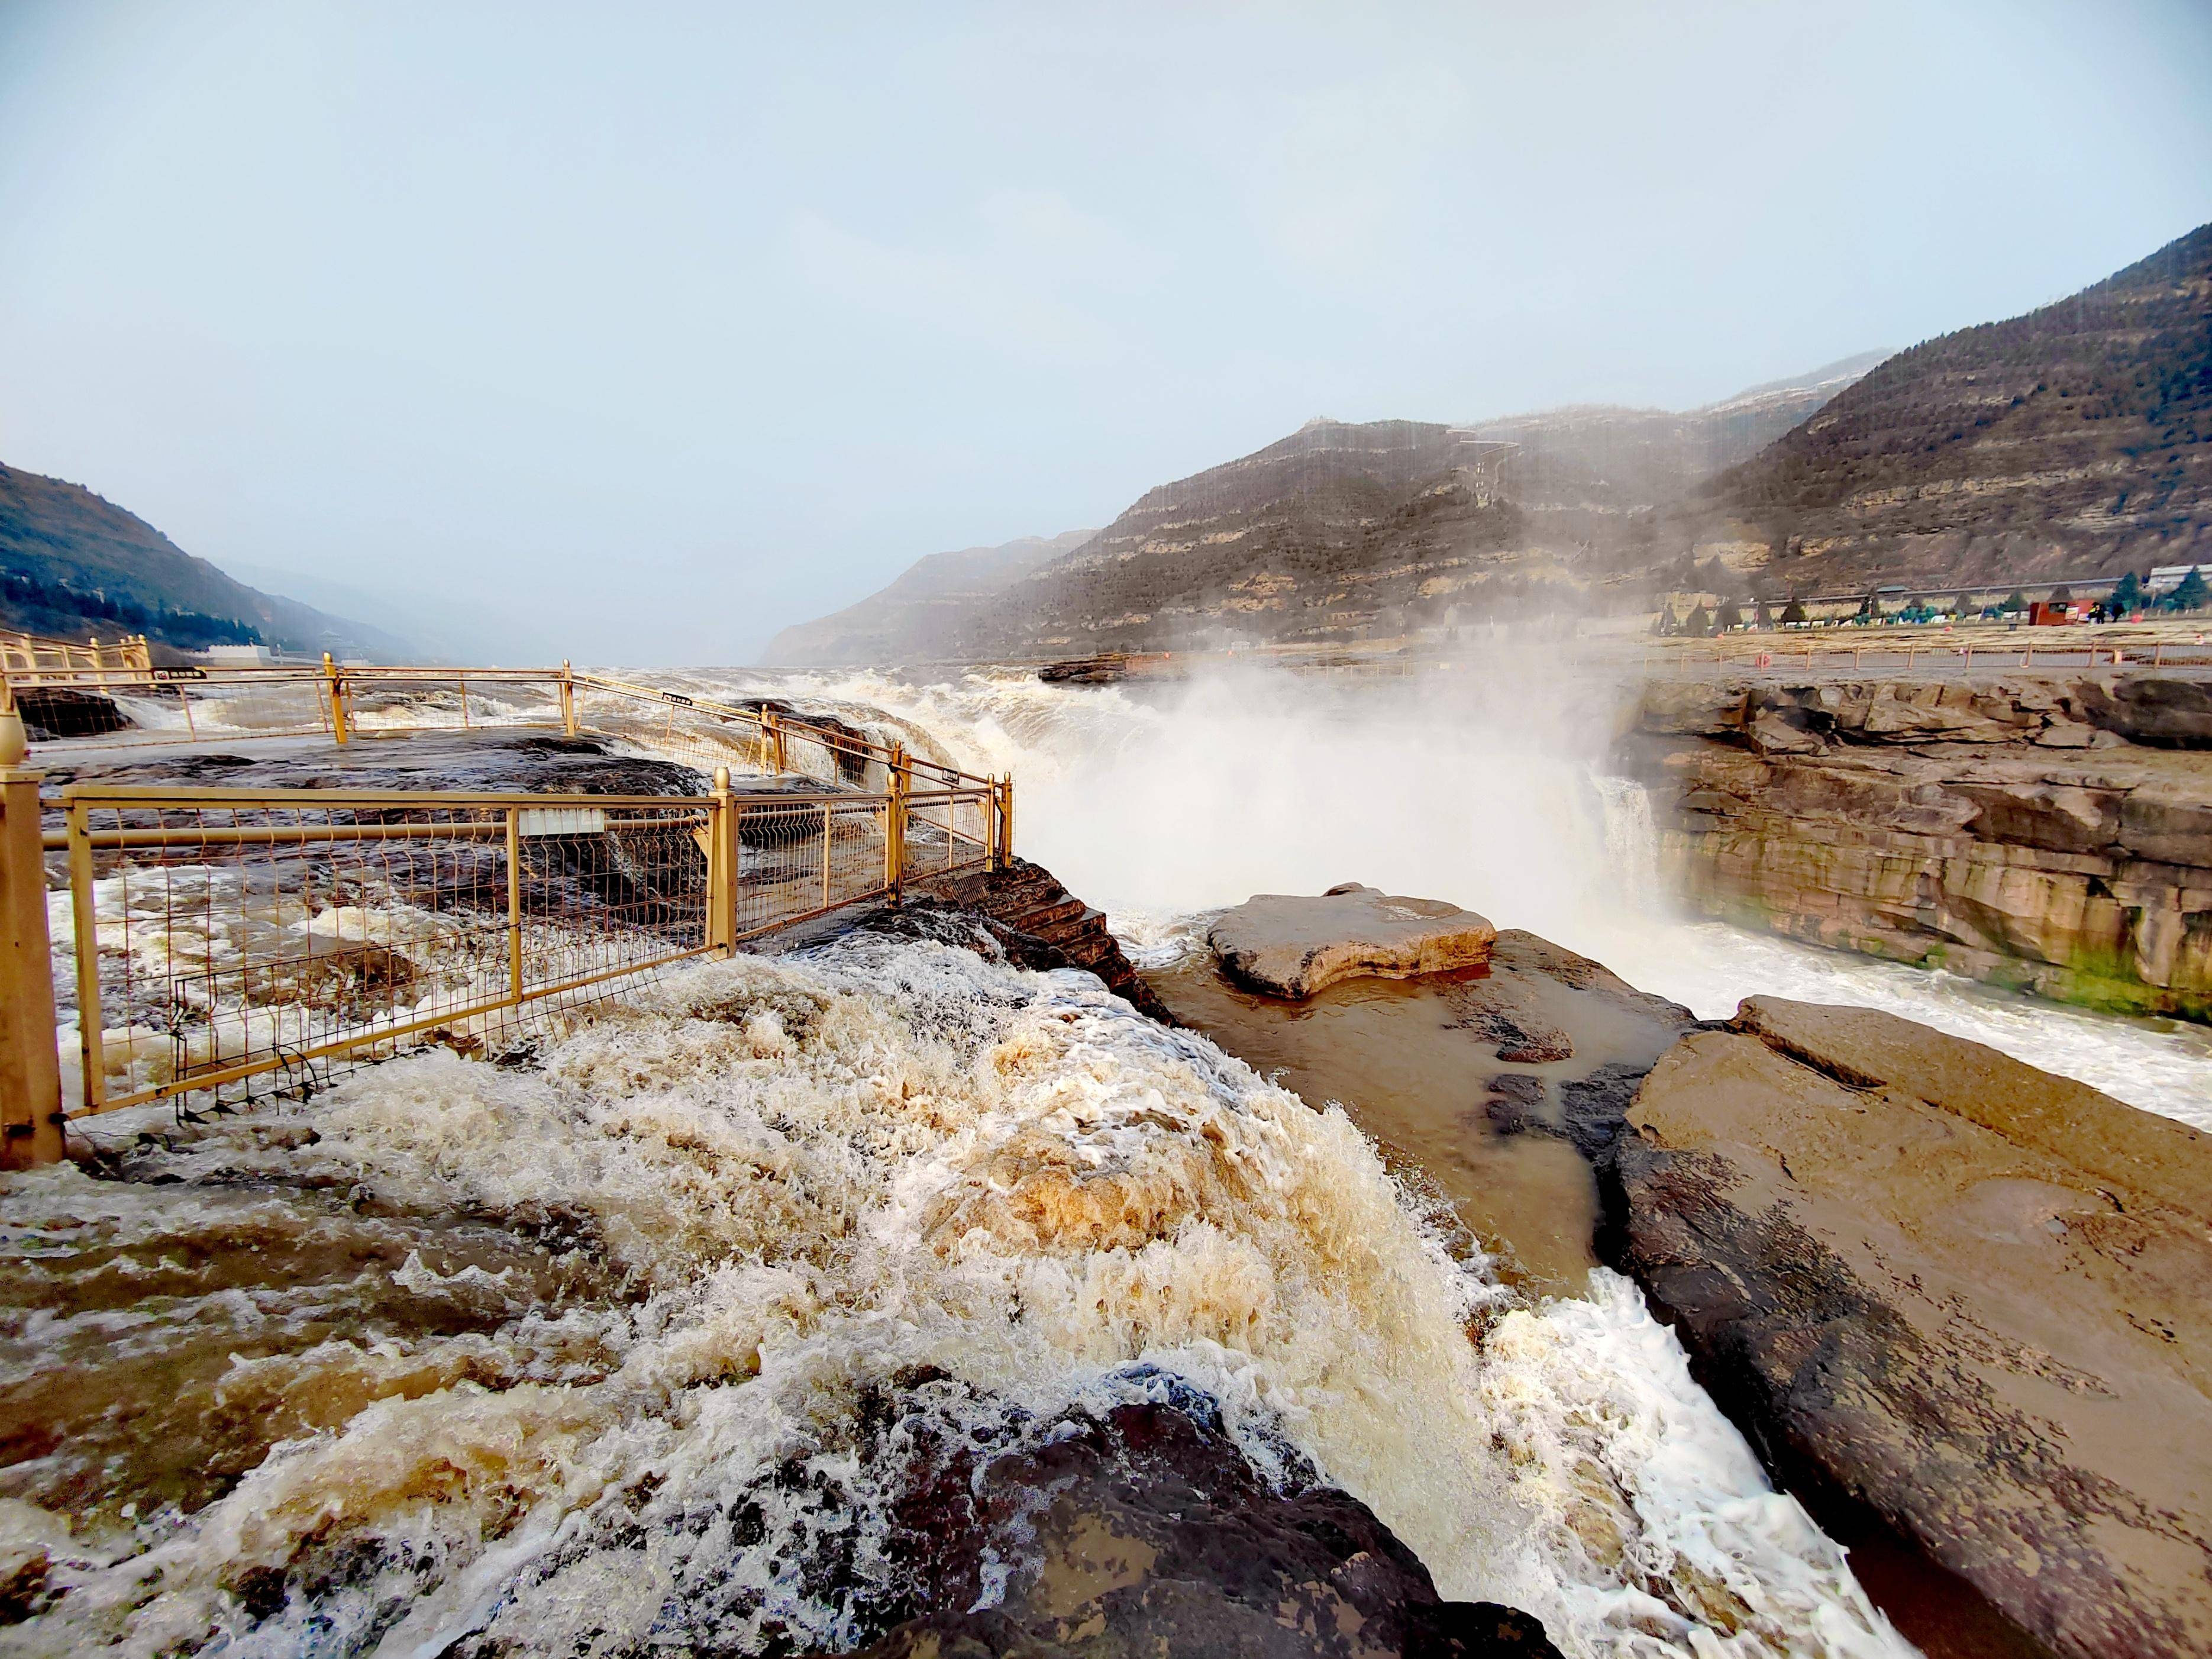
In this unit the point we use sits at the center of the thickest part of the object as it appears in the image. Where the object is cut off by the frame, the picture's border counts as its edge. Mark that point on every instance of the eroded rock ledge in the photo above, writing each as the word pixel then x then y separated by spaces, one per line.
pixel 1967 1293
pixel 2055 836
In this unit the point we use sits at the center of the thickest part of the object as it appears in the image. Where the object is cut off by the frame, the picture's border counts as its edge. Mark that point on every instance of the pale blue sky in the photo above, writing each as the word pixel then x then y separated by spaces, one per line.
pixel 638 331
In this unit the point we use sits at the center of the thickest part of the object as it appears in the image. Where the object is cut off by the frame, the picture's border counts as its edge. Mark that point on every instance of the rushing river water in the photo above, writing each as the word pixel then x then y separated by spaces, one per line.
pixel 585 1353
pixel 1162 804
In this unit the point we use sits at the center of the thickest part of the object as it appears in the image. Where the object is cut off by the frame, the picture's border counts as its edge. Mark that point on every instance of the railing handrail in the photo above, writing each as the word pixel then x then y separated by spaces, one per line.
pixel 923 832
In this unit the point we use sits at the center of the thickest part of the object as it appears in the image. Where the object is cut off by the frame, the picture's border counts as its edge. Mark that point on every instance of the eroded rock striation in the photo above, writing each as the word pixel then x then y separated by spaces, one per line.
pixel 1967 1293
pixel 2051 834
pixel 1292 946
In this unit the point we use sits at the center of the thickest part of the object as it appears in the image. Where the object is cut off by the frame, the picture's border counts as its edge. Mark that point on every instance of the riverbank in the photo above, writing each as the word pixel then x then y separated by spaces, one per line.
pixel 2052 835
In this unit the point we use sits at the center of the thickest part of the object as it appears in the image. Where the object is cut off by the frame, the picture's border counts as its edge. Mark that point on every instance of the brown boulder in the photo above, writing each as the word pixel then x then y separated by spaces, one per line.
pixel 1293 946
pixel 1964 1291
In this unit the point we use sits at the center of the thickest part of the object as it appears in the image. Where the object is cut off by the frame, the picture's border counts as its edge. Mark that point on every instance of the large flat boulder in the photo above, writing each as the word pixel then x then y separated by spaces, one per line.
pixel 1969 1294
pixel 1293 946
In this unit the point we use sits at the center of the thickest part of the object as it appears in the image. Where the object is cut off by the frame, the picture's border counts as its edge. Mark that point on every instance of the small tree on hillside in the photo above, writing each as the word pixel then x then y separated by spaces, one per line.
pixel 2127 594
pixel 1793 614
pixel 2193 594
pixel 1700 623
pixel 1730 617
pixel 1759 617
pixel 2015 600
pixel 2061 596
pixel 1963 605
pixel 1663 623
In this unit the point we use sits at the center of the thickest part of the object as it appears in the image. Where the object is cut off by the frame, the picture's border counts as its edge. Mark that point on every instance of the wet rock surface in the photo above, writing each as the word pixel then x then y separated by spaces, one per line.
pixel 1961 1291
pixel 2054 836
pixel 1143 1530
pixel 1292 946
pixel 535 763
pixel 1033 921
pixel 1490 1087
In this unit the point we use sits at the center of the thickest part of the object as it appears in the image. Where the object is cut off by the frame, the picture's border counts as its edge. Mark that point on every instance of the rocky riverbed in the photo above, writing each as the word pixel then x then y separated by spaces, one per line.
pixel 1953 1299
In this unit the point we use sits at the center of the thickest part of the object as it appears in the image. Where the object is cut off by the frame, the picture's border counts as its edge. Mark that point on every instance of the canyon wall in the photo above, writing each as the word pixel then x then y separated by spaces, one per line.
pixel 2053 835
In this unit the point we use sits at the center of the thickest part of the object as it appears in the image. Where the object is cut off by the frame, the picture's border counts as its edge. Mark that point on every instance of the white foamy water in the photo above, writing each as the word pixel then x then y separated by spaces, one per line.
pixel 780 1187
pixel 1164 803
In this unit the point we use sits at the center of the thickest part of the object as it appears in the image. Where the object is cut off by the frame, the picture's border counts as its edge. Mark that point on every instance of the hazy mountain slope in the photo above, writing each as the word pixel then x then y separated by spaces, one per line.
pixel 918 617
pixel 1333 517
pixel 1617 460
pixel 447 626
pixel 77 564
pixel 1340 531
pixel 2071 439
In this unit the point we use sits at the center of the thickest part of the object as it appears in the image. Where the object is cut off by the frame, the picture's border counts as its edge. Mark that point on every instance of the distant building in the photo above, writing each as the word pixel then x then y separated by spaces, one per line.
pixel 240 656
pixel 2165 578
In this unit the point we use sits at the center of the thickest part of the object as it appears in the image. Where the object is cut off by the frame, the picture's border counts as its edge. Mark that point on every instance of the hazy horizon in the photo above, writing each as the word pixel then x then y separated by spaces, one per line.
pixel 652 335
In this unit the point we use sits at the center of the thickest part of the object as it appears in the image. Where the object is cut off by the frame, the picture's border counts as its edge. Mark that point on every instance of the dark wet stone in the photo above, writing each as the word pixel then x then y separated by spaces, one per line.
pixel 1516 1104
pixel 1145 1531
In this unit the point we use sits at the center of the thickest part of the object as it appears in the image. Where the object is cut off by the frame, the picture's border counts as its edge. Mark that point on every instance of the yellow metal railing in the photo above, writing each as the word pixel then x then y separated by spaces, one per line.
pixel 222 937
pixel 34 653
pixel 226 940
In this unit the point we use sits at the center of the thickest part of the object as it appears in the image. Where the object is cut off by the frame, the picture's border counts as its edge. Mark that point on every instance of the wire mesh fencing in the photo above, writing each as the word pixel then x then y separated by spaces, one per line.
pixel 801 856
pixel 223 941
pixel 217 945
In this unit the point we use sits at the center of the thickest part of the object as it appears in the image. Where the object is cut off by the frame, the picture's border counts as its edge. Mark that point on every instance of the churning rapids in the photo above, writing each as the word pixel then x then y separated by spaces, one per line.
pixel 628 1345
pixel 1162 804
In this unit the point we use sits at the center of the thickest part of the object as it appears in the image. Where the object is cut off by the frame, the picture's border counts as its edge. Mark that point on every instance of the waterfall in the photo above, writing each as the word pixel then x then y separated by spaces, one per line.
pixel 1632 838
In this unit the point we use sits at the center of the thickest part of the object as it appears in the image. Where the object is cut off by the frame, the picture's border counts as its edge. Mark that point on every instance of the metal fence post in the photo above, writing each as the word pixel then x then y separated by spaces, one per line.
pixel 30 1064
pixel 567 698
pixel 1006 822
pixel 92 1051
pixel 336 681
pixel 902 779
pixel 722 866
pixel 514 904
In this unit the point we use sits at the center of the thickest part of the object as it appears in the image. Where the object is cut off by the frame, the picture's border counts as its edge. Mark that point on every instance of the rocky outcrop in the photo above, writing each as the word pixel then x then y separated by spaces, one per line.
pixel 1966 1293
pixel 1033 922
pixel 2053 835
pixel 1290 945
pixel 1482 1084
pixel 1143 1530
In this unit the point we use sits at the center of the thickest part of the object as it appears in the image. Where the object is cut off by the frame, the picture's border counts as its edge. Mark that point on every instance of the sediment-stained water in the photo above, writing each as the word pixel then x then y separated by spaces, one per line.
pixel 589 1351
pixel 585 1352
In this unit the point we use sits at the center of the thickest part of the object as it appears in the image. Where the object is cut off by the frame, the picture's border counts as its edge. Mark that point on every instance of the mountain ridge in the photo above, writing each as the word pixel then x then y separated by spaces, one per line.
pixel 903 619
pixel 76 563
pixel 1308 502
pixel 2074 437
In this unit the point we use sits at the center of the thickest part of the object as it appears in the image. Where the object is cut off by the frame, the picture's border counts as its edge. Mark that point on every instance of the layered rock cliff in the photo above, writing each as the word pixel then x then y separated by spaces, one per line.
pixel 2052 835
